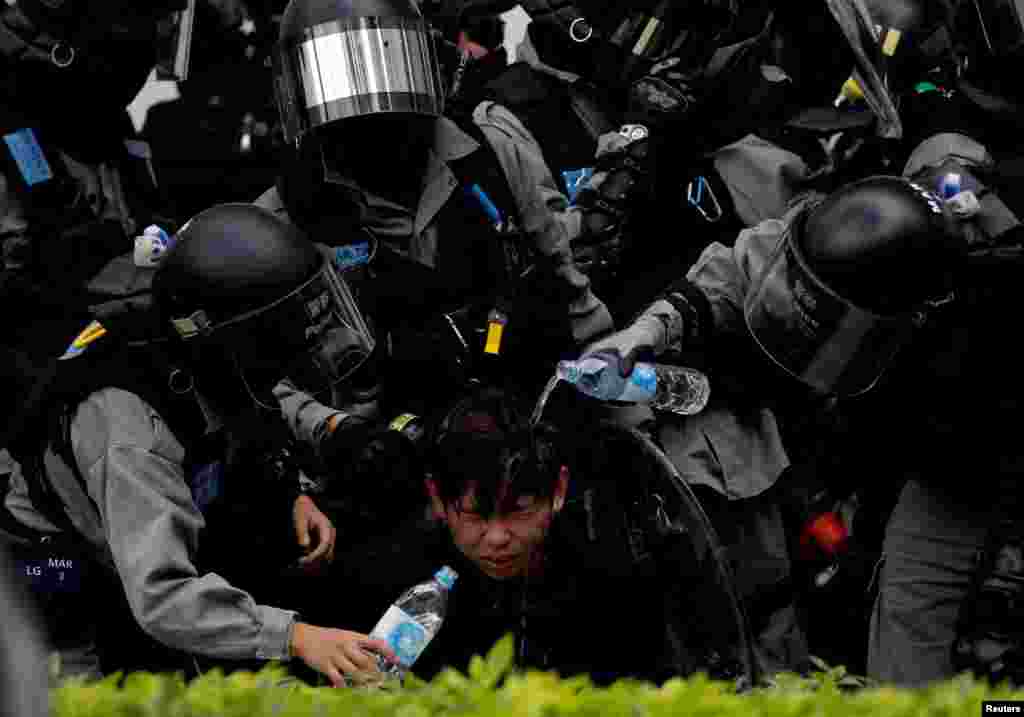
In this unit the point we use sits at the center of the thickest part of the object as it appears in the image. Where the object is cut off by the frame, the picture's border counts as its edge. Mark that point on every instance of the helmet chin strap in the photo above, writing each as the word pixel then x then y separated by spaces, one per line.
pixel 248 388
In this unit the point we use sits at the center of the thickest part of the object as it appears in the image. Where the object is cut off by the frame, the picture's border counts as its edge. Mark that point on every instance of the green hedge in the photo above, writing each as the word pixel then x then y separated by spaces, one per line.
pixel 533 694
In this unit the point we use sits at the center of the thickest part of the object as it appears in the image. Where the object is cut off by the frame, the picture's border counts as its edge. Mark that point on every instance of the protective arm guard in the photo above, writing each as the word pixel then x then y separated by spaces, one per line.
pixel 659 102
pixel 619 176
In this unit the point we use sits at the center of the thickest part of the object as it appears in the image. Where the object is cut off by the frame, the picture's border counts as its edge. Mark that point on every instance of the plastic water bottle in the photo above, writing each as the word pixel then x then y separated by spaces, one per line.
pixel 677 389
pixel 411 622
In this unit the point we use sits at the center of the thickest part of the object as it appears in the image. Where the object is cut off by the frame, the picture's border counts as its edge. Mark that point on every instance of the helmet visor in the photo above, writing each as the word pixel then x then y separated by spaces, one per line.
pixel 316 336
pixel 354 67
pixel 816 335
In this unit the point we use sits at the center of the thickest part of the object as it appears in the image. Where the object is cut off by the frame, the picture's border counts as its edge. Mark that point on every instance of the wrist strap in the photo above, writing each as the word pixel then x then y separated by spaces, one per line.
pixel 695 310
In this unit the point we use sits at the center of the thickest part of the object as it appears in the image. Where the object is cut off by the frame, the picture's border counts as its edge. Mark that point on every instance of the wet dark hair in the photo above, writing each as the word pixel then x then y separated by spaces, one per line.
pixel 486 438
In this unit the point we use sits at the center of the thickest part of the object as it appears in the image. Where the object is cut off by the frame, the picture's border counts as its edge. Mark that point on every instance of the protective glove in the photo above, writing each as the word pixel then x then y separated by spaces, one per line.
pixel 663 96
pixel 387 476
pixel 375 469
pixel 650 334
pixel 341 447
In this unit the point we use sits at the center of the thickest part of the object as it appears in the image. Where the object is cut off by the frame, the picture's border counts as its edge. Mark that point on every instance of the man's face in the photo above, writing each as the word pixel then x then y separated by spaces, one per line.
pixel 503 544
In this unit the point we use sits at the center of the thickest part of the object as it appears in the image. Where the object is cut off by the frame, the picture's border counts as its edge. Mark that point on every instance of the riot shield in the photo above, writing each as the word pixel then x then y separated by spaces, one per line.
pixel 628 498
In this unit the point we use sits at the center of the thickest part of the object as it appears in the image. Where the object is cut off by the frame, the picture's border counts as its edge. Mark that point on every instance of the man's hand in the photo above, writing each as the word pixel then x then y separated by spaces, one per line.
pixel 336 653
pixel 313 530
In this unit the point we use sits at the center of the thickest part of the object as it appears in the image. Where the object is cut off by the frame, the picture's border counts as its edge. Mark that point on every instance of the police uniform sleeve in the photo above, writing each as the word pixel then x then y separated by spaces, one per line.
pixel 709 300
pixel 544 214
pixel 132 465
pixel 724 273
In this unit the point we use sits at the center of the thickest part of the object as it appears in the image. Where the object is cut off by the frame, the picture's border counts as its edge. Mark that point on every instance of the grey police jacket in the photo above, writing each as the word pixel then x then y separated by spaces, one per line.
pixel 742 455
pixel 147 529
pixel 738 453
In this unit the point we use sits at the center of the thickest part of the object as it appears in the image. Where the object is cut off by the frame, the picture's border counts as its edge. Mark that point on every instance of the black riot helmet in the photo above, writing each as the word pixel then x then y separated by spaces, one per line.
pixel 252 301
pixel 851 280
pixel 339 59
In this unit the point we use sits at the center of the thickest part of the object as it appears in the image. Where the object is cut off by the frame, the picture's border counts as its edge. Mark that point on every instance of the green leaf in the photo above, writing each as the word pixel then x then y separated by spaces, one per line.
pixel 500 661
pixel 412 682
pixel 271 693
pixel 819 664
pixel 477 669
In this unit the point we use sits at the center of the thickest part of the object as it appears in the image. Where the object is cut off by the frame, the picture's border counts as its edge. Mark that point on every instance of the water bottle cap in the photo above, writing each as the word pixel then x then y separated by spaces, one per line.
pixel 446 576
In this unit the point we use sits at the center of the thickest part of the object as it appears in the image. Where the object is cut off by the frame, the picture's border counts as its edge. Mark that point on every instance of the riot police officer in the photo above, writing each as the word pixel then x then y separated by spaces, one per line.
pixel 451 218
pixel 789 298
pixel 154 454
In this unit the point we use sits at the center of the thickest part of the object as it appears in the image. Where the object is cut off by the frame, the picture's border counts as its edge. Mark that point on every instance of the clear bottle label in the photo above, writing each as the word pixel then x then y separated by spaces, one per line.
pixel 403 634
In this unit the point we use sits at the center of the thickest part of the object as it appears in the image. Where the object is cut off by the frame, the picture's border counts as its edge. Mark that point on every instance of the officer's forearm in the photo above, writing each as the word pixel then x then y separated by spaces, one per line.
pixel 625 177
pixel 686 313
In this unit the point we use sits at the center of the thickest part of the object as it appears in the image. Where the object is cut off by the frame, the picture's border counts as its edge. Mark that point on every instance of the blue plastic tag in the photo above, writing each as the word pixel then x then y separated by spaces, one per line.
pixel 489 207
pixel 351 255
pixel 575 180
pixel 51 573
pixel 28 155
